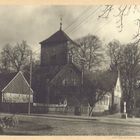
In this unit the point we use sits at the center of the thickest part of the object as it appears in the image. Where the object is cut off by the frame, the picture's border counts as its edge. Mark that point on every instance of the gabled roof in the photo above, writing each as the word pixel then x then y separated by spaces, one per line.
pixel 18 84
pixel 88 76
pixel 64 70
pixel 58 37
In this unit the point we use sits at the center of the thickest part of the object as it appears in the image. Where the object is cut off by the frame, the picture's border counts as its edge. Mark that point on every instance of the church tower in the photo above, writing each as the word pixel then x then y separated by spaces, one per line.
pixel 54 57
pixel 54 50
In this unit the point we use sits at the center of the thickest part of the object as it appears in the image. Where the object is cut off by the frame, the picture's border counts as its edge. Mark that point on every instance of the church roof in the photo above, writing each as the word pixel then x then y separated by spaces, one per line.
pixel 56 79
pixel 58 37
pixel 88 76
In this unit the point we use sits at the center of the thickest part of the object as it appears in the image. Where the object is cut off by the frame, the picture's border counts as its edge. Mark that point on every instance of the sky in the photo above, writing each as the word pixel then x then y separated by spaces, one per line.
pixel 36 23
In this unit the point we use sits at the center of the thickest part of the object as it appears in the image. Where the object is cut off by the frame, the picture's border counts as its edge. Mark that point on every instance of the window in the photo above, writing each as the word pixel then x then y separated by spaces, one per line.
pixel 64 82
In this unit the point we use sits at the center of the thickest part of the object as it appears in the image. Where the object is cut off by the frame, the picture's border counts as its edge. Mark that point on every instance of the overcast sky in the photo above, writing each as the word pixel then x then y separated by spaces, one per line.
pixel 36 23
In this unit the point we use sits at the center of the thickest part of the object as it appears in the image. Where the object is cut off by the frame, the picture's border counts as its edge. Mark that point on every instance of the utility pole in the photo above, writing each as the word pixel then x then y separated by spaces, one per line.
pixel 30 84
pixel 82 82
pixel 48 95
pixel 82 76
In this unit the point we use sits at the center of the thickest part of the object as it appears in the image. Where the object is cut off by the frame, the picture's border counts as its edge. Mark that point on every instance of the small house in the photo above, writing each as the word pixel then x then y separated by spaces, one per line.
pixel 15 92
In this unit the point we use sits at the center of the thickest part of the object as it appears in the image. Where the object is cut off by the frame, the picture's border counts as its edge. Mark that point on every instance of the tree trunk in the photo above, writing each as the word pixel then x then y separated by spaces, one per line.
pixel 91 110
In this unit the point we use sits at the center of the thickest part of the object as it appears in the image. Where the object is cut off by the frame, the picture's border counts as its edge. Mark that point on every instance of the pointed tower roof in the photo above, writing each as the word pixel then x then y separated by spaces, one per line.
pixel 58 37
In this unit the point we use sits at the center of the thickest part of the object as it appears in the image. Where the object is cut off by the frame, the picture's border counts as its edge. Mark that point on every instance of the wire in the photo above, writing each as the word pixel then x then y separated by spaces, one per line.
pixel 76 27
pixel 87 9
pixel 81 15
pixel 102 26
pixel 38 49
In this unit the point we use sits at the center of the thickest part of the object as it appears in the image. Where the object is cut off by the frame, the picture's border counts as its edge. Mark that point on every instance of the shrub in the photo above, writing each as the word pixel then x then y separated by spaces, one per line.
pixel 9 121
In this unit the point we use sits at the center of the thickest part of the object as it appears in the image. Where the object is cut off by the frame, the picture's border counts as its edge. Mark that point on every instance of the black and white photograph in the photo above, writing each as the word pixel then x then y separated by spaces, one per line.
pixel 70 70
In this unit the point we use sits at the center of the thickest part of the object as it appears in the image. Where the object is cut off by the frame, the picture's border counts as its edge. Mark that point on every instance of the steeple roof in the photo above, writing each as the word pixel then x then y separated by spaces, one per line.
pixel 58 37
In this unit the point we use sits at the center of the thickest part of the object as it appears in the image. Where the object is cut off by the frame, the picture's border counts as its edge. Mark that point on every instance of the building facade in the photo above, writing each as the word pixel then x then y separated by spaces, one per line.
pixel 59 82
pixel 15 93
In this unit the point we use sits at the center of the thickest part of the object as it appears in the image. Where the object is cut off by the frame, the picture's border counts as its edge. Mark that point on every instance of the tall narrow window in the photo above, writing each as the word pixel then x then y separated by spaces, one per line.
pixel 64 82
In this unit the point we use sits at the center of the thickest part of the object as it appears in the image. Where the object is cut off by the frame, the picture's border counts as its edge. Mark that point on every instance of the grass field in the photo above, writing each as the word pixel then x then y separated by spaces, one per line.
pixel 58 126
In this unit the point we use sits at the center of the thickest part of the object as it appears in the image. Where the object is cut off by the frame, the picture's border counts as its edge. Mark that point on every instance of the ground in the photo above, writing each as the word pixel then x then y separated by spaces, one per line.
pixel 52 125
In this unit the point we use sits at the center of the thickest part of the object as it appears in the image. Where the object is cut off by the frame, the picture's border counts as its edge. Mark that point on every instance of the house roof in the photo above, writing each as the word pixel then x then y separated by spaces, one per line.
pixel 58 37
pixel 14 83
pixel 5 78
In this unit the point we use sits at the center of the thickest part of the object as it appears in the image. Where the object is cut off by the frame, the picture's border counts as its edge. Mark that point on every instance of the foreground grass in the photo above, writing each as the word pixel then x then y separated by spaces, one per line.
pixel 28 126
pixel 56 126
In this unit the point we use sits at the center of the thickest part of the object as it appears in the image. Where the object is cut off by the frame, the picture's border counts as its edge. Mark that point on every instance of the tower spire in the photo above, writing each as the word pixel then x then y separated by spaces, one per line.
pixel 61 23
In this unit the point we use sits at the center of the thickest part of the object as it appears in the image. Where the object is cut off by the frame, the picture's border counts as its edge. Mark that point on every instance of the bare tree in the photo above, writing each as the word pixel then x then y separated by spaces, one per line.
pixel 103 82
pixel 130 70
pixel 90 49
pixel 114 52
pixel 15 57
pixel 5 61
pixel 126 58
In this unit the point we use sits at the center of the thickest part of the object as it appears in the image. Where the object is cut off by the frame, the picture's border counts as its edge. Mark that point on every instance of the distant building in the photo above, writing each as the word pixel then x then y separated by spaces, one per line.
pixel 117 94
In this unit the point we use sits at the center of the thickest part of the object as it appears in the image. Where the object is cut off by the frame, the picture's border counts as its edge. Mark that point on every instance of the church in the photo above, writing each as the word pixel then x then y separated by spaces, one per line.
pixel 59 83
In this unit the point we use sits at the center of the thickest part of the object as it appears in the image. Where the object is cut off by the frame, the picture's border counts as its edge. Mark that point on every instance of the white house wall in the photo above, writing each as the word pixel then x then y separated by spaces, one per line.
pixel 103 104
pixel 117 90
pixel 16 98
